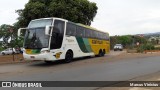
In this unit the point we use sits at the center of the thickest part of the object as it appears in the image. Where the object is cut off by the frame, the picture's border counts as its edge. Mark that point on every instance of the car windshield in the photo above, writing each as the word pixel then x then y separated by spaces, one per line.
pixel 118 45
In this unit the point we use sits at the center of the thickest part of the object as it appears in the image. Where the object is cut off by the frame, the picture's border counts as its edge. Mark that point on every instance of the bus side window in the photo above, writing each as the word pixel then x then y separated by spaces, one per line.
pixel 88 33
pixel 104 36
pixel 80 32
pixel 101 35
pixel 107 37
pixel 93 34
pixel 71 29
pixel 96 35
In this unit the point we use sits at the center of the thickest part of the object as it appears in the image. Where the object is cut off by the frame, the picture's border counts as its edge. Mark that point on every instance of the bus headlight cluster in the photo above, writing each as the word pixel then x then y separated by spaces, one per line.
pixel 45 51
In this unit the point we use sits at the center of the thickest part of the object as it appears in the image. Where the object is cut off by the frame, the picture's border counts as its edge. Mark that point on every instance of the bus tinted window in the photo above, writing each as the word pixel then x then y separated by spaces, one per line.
pixel 80 32
pixel 101 35
pixel 93 34
pixel 88 33
pixel 104 36
pixel 59 25
pixel 107 37
pixel 71 29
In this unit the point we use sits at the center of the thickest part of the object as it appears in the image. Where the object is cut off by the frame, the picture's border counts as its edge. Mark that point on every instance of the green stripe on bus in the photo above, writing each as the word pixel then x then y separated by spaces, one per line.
pixel 35 51
pixel 82 44
pixel 87 45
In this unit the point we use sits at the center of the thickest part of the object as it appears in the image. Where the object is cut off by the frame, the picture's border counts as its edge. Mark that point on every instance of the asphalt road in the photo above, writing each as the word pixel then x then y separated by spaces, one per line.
pixel 58 71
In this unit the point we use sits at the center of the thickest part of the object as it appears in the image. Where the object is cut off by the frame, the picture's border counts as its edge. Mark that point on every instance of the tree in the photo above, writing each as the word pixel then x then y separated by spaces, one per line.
pixel 141 40
pixel 125 40
pixel 8 31
pixel 5 34
pixel 79 11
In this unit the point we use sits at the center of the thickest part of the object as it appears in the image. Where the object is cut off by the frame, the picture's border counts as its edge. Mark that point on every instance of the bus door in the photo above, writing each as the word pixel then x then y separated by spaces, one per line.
pixel 57 34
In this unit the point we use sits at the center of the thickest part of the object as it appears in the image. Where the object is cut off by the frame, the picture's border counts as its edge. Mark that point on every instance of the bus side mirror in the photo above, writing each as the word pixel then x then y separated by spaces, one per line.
pixel 47 29
pixel 19 31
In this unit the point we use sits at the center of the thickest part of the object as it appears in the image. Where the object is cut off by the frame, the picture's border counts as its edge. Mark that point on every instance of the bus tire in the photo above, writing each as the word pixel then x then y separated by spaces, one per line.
pixel 104 52
pixel 100 53
pixel 69 56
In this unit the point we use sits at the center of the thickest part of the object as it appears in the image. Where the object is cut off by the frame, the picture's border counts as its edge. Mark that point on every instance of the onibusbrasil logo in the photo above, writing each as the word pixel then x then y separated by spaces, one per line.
pixel 20 84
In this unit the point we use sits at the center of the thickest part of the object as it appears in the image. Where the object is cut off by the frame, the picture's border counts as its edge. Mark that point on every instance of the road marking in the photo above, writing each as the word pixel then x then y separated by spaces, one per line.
pixel 136 88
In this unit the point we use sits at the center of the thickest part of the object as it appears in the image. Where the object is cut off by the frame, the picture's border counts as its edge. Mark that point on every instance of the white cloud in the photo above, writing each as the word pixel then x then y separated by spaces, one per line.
pixel 118 17
pixel 127 16
pixel 8 17
pixel 7 10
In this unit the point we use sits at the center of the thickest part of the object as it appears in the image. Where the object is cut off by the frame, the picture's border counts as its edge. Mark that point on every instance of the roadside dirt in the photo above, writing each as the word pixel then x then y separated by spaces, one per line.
pixel 134 55
pixel 9 58
pixel 117 56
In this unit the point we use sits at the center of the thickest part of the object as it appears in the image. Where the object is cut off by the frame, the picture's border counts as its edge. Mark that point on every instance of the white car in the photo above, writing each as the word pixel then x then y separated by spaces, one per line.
pixel 118 47
pixel 8 51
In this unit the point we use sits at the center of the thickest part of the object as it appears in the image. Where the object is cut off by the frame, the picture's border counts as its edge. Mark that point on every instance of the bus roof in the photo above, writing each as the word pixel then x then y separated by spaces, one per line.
pixel 86 26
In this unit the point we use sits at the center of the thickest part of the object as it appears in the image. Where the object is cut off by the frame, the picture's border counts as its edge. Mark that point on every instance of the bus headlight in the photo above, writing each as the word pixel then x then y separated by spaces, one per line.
pixel 45 51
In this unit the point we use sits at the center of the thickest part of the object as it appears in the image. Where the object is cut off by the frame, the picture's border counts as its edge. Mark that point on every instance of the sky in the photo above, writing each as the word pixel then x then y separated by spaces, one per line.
pixel 118 17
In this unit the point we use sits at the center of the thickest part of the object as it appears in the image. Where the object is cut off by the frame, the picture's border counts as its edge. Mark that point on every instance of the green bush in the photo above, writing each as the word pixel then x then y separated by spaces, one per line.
pixel 1 49
pixel 143 47
pixel 157 48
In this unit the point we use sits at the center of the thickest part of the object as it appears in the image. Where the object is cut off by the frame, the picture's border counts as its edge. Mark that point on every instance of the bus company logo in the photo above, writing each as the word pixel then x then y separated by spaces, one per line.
pixel 6 84
pixel 97 42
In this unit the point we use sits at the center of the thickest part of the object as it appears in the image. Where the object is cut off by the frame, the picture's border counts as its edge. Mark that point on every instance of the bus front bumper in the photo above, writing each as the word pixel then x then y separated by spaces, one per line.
pixel 42 57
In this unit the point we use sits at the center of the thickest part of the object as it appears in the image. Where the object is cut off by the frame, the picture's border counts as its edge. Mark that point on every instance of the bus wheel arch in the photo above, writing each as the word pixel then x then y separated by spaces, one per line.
pixel 69 56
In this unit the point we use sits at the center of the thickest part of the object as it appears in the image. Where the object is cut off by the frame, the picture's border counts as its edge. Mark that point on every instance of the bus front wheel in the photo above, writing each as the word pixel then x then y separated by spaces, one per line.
pixel 68 57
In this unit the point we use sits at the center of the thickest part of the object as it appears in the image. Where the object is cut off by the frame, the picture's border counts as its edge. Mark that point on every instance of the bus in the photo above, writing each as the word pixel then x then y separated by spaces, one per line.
pixel 51 39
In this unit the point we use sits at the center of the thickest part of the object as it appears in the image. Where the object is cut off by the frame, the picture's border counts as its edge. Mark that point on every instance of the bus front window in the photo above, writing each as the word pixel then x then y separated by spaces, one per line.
pixel 36 39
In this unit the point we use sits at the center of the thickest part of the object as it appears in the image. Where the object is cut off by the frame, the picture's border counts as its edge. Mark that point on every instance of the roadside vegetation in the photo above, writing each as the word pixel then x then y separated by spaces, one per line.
pixel 135 43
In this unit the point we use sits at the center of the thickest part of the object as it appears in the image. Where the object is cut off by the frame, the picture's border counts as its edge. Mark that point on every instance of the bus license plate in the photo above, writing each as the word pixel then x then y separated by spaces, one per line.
pixel 32 57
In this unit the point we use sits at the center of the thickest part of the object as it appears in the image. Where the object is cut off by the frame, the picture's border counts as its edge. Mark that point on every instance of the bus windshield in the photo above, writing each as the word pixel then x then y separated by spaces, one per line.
pixel 35 38
pixel 40 23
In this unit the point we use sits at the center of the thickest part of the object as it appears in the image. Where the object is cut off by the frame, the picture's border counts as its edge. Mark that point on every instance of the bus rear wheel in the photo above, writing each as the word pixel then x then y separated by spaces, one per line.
pixel 68 57
pixel 101 53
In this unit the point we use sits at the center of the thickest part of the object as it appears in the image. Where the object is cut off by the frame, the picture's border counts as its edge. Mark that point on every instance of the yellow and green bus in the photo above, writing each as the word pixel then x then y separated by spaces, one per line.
pixel 50 39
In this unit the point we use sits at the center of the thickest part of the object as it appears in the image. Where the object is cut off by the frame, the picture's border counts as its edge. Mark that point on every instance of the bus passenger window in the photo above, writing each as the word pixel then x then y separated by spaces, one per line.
pixel 88 33
pixel 80 32
pixel 71 29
